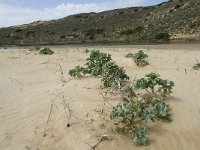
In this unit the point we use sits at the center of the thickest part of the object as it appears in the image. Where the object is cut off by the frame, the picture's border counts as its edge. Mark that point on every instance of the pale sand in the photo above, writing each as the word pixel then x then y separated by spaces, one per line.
pixel 30 82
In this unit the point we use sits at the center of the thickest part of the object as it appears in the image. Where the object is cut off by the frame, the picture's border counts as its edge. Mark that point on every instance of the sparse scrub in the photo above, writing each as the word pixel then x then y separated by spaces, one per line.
pixel 62 36
pixel 136 30
pixel 196 66
pixel 46 51
pixel 140 135
pixel 162 37
pixel 130 116
pixel 86 51
pixel 113 74
pixel 96 61
pixel 133 114
pixel 154 85
pixel 129 55
pixel 139 58
pixel 101 64
pixel 92 32
pixel 78 71
pixel 177 6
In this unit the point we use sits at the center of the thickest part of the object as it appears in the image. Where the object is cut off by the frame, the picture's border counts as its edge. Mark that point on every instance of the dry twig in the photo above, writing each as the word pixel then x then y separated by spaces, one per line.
pixel 103 137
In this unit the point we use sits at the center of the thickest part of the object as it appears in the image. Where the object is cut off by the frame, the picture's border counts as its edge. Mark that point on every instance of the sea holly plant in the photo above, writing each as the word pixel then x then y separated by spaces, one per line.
pixel 196 66
pixel 96 61
pixel 154 85
pixel 101 64
pixel 161 109
pixel 94 64
pixel 78 71
pixel 129 91
pixel 113 75
pixel 46 51
pixel 139 58
pixel 140 135
pixel 127 114
pixel 86 51
pixel 137 110
pixel 132 114
pixel 129 55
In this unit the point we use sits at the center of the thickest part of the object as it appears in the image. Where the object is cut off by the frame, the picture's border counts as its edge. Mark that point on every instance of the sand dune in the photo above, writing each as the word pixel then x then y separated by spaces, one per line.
pixel 31 88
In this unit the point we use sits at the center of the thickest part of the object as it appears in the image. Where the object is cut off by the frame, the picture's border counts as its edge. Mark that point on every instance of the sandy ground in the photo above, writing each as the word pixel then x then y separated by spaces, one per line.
pixel 31 88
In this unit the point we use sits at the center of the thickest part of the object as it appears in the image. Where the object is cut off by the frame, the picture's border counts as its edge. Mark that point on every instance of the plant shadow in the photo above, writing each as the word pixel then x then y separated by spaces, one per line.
pixel 174 99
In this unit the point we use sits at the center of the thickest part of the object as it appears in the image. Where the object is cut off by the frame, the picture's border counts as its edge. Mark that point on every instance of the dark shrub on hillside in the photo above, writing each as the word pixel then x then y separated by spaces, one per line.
pixel 30 33
pixel 162 36
pixel 136 30
pixel 62 36
pixel 177 6
pixel 90 34
pixel 46 51
pixel 127 32
pixel 18 30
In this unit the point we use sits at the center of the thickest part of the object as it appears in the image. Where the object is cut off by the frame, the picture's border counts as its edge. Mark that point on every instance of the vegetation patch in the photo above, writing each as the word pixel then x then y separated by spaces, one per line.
pixel 143 99
pixel 62 36
pixel 136 30
pixel 154 85
pixel 129 55
pixel 92 32
pixel 133 115
pixel 18 30
pixel 78 71
pixel 139 58
pixel 129 117
pixel 162 37
pixel 46 51
pixel 101 64
pixel 96 61
pixel 196 66
pixel 113 74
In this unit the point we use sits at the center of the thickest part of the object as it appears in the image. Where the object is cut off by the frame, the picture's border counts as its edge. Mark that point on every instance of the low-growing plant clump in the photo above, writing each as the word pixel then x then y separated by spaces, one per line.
pixel 46 51
pixel 132 115
pixel 78 71
pixel 154 85
pixel 113 74
pixel 139 58
pixel 101 64
pixel 96 61
pixel 143 99
pixel 86 51
pixel 129 55
pixel 196 66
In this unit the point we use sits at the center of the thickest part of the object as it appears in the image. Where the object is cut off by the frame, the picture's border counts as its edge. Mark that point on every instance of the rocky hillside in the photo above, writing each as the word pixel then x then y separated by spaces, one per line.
pixel 172 20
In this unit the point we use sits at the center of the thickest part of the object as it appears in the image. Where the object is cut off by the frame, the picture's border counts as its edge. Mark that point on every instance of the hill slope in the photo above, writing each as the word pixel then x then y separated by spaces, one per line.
pixel 174 20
